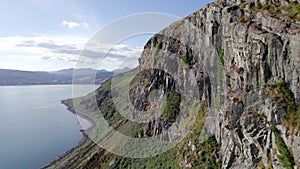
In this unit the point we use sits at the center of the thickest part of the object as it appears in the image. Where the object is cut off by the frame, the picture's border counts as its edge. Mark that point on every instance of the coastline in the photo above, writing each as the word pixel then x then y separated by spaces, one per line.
pixel 84 139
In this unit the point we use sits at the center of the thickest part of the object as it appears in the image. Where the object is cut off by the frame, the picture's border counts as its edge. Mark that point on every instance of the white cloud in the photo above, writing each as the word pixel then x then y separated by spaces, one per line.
pixel 73 24
pixel 70 24
pixel 62 49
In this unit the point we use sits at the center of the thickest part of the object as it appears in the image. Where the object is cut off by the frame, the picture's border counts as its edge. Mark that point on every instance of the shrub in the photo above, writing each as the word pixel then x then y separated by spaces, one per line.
pixel 172 109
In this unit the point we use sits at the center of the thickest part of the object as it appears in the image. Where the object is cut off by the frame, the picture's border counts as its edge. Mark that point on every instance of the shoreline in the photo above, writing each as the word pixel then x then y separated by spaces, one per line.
pixel 84 132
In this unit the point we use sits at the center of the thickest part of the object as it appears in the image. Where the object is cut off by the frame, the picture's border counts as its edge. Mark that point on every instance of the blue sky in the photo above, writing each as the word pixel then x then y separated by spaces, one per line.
pixel 35 34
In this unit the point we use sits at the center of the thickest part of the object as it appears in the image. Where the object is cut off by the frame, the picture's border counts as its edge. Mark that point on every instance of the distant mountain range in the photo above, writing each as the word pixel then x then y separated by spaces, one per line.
pixel 65 76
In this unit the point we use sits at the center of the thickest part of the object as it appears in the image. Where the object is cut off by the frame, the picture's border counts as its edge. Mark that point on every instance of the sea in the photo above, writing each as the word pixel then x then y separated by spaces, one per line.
pixel 35 127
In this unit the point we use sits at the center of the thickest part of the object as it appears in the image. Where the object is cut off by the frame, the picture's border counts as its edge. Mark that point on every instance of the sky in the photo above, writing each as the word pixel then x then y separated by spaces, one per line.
pixel 48 35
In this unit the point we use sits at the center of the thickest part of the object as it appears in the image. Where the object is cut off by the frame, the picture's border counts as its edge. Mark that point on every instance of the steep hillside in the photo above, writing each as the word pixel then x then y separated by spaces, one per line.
pixel 232 68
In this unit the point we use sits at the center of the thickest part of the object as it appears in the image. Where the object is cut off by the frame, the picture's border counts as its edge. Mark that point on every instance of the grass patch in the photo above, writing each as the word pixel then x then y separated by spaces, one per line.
pixel 200 119
pixel 163 161
pixel 186 60
pixel 220 78
pixel 275 9
pixel 133 84
pixel 158 47
pixel 132 129
pixel 107 106
pixel 204 155
pixel 285 157
pixel 221 56
pixel 284 96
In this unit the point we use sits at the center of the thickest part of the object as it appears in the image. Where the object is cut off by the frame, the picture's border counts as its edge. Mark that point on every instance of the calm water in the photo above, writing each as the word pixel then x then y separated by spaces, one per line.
pixel 35 128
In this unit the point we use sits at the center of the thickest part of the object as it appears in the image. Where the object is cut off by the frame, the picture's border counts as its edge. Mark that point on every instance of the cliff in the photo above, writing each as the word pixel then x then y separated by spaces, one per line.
pixel 237 64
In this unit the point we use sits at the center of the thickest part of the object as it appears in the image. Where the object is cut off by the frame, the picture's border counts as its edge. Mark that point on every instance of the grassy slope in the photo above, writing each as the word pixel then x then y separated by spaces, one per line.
pixel 90 155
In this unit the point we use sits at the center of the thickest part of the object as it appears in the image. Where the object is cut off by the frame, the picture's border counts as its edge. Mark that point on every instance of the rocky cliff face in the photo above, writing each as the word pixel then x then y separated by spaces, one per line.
pixel 235 61
pixel 244 58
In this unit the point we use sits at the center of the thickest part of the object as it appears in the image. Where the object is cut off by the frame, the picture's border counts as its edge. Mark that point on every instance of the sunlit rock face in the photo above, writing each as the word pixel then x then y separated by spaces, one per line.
pixel 259 49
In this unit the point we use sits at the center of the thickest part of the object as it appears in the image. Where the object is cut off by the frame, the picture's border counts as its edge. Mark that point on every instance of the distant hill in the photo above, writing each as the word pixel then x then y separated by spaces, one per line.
pixel 65 76
pixel 126 69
